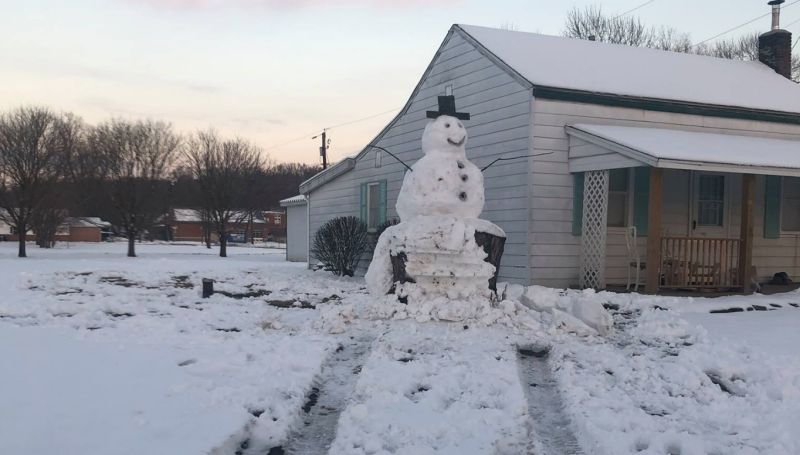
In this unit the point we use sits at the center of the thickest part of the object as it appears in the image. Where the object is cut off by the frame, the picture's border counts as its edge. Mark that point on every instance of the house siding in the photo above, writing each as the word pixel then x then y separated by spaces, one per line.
pixel 555 252
pixel 499 127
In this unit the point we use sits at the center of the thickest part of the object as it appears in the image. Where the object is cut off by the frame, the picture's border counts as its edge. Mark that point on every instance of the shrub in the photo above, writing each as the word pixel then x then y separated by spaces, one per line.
pixel 339 244
pixel 376 235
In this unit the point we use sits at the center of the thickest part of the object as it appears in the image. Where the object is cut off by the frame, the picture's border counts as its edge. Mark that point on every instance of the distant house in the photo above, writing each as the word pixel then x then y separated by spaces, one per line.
pixel 276 225
pixel 700 155
pixel 75 229
pixel 84 229
pixel 188 225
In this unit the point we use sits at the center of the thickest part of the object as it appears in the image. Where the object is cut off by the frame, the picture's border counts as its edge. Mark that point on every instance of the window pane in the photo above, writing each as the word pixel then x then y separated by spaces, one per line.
pixel 617 213
pixel 618 198
pixel 618 180
pixel 710 205
pixel 790 206
pixel 374 214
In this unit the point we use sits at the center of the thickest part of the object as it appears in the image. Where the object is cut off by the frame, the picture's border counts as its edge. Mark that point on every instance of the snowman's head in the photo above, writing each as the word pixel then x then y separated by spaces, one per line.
pixel 445 134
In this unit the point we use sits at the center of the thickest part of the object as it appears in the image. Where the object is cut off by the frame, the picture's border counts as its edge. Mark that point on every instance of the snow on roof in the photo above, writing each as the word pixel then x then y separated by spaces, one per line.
pixel 692 150
pixel 294 200
pixel 187 216
pixel 193 216
pixel 87 221
pixel 567 63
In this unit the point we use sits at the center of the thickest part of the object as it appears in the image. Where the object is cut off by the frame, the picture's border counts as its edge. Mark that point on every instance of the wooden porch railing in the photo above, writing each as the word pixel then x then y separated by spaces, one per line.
pixel 699 263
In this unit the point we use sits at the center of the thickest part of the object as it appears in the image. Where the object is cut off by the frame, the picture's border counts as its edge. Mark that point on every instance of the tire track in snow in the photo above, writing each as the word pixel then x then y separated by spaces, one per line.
pixel 551 423
pixel 328 399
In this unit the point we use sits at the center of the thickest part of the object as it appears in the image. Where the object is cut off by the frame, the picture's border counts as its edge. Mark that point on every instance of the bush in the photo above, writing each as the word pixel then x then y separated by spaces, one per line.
pixel 376 235
pixel 339 244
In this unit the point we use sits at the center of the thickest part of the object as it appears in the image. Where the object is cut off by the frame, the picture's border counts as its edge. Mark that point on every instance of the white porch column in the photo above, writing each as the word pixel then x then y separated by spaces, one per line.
pixel 593 238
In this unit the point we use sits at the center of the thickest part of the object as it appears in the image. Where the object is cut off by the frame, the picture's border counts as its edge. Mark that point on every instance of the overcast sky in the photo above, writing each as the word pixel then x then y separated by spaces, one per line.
pixel 273 70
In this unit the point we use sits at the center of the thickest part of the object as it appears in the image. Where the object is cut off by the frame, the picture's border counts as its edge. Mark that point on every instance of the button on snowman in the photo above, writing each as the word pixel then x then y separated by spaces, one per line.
pixel 443 182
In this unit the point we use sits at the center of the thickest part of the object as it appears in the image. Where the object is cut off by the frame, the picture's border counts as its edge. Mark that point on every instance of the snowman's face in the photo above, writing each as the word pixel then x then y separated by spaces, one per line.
pixel 444 134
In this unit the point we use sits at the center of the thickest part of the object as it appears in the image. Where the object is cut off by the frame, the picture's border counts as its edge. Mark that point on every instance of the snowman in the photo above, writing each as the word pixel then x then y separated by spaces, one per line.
pixel 443 182
pixel 436 257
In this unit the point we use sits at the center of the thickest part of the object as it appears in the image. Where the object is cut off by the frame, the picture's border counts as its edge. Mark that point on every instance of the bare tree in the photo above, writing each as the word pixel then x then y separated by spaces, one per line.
pixel 225 170
pixel 127 165
pixel 47 222
pixel 592 23
pixel 34 144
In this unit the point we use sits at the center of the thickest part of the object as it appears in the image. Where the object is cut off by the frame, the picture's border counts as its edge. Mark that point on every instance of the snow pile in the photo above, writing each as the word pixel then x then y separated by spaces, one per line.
pixel 437 389
pixel 660 385
pixel 572 311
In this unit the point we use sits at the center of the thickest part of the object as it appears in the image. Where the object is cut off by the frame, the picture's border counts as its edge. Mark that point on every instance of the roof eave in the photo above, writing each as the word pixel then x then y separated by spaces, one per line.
pixel 663 105
pixel 667 163
pixel 327 175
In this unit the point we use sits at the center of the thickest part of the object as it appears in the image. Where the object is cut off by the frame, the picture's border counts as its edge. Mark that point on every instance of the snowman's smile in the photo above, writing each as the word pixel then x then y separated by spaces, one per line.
pixel 457 144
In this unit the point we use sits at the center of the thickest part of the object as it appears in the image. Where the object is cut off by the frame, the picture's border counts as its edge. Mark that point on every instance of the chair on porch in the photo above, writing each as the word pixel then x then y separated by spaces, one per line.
pixel 633 257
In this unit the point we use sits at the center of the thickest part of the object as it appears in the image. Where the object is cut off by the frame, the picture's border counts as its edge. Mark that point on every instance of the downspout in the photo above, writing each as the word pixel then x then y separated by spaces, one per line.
pixel 529 189
pixel 308 231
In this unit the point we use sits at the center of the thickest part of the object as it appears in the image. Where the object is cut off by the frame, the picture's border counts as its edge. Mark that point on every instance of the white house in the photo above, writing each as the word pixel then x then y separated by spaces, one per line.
pixel 668 143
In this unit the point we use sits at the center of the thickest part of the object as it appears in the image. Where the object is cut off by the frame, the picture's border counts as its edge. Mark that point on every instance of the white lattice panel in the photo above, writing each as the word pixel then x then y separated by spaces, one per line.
pixel 593 239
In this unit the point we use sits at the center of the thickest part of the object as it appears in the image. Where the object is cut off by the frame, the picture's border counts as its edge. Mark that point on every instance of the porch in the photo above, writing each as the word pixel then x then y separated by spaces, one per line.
pixel 711 248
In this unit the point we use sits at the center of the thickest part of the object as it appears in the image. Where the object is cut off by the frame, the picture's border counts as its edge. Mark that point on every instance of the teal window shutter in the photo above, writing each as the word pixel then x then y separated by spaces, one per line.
pixel 641 199
pixel 364 201
pixel 577 203
pixel 383 201
pixel 772 207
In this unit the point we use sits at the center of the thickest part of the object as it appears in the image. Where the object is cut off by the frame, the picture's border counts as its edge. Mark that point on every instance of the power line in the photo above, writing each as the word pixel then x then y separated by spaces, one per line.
pixel 293 140
pixel 640 6
pixel 795 43
pixel 740 26
pixel 335 126
pixel 362 119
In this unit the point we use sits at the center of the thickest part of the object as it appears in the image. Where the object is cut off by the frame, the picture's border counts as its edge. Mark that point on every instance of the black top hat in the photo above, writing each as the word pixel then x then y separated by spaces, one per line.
pixel 447 106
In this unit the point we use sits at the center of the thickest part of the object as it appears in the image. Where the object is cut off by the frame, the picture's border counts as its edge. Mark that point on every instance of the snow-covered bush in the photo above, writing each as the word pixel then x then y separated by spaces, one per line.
pixel 376 234
pixel 339 244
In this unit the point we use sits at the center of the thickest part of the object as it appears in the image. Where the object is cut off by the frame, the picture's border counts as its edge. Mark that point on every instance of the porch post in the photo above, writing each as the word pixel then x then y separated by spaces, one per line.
pixel 593 236
pixel 653 261
pixel 746 247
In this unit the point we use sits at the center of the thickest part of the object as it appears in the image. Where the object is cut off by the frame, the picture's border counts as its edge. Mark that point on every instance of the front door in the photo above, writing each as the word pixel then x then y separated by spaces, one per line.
pixel 710 208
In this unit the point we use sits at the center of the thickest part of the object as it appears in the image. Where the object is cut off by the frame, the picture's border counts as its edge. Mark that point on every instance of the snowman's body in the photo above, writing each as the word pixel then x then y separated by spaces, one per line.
pixel 439 204
pixel 443 182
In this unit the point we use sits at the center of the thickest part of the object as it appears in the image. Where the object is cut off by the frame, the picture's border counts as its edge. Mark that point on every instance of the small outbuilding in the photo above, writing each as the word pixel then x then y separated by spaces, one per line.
pixel 296 228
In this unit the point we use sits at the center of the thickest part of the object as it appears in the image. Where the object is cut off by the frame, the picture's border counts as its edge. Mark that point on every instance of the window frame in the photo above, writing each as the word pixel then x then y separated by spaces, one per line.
pixel 369 200
pixel 783 204
pixel 628 202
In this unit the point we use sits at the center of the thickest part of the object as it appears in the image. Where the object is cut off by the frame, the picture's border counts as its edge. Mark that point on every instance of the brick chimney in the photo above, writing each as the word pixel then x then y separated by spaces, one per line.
pixel 775 46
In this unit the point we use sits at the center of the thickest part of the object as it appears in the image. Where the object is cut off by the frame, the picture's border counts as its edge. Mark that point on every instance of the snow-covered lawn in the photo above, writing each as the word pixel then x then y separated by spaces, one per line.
pixel 103 354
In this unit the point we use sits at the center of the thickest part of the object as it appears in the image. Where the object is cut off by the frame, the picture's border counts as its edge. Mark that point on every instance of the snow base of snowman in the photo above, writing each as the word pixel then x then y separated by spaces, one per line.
pixel 446 264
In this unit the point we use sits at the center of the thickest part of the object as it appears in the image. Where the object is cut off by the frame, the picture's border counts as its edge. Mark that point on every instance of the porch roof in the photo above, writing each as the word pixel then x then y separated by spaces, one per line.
pixel 623 146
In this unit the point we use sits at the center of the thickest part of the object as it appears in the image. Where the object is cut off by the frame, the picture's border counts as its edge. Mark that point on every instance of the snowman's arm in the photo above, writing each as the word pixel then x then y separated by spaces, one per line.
pixel 514 158
pixel 392 155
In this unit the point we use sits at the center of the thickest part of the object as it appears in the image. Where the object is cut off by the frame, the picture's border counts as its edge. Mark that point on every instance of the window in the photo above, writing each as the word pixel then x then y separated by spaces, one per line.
pixel 277 219
pixel 240 232
pixel 373 205
pixel 790 206
pixel 618 180
pixel 711 200
pixel 258 234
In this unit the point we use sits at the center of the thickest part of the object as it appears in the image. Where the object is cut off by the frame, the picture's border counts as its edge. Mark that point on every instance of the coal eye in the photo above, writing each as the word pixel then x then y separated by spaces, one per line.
pixel 447 125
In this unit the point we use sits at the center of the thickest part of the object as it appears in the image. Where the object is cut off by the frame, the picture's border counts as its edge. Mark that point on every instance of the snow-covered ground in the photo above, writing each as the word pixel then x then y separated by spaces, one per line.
pixel 104 354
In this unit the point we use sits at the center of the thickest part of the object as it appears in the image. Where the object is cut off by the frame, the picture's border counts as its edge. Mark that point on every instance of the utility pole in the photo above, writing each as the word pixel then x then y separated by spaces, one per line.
pixel 324 151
